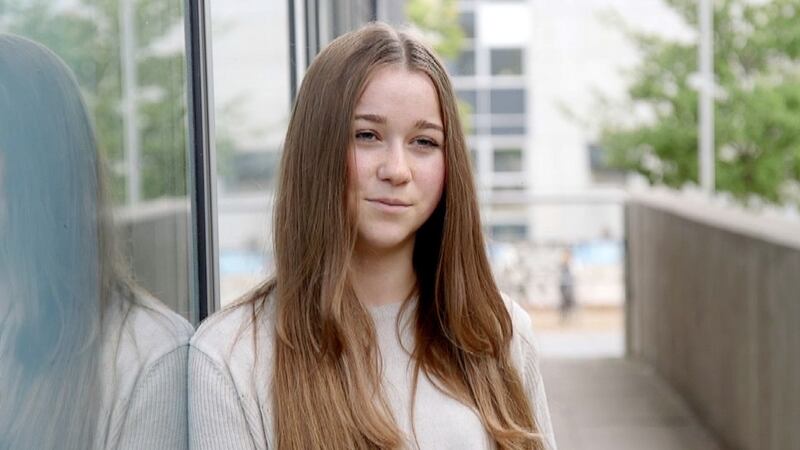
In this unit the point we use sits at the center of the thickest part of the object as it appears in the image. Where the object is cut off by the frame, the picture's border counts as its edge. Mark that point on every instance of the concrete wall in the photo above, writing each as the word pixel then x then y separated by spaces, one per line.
pixel 154 241
pixel 714 306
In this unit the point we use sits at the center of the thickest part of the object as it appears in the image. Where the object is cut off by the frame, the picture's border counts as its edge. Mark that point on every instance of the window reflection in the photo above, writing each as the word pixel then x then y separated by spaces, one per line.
pixel 90 358
pixel 128 57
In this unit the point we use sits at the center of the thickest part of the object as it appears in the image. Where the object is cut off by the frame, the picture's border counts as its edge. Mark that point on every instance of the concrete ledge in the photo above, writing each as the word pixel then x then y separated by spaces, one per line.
pixel 714 306
pixel 736 219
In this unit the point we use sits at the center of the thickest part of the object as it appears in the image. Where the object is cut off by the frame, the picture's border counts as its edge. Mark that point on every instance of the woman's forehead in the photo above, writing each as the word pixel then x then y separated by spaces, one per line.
pixel 395 90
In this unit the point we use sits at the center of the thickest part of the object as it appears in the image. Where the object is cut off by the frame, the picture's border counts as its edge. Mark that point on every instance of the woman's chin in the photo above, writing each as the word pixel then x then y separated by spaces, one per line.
pixel 385 243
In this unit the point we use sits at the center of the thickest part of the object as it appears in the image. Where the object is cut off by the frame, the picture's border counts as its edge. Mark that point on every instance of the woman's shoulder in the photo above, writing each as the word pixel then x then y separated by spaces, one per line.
pixel 237 334
pixel 523 342
pixel 520 318
pixel 141 326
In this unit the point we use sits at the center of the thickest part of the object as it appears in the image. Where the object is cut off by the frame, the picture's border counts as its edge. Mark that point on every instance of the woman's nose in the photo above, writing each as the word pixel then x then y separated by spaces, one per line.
pixel 394 168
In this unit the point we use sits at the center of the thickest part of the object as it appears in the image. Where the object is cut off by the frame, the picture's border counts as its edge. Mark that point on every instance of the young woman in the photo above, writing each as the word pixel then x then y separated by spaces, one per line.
pixel 87 360
pixel 382 327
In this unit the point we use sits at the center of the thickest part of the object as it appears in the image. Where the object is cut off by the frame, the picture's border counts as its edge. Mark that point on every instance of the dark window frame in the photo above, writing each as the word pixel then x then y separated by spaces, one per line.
pixel 202 164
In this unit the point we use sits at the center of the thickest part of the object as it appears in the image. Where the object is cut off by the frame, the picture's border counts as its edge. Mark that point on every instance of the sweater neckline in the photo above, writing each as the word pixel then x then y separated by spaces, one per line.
pixel 389 310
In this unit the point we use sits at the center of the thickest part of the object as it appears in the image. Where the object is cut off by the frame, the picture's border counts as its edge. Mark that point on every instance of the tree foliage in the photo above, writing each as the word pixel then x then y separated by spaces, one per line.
pixel 87 36
pixel 438 19
pixel 757 111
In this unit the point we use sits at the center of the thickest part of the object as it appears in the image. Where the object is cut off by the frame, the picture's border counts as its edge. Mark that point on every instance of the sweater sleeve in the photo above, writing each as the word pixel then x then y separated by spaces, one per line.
pixel 527 359
pixel 216 415
pixel 536 392
pixel 156 416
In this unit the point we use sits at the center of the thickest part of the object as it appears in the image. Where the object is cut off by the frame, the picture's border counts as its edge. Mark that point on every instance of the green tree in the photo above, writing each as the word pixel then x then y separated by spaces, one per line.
pixel 87 37
pixel 757 113
pixel 438 20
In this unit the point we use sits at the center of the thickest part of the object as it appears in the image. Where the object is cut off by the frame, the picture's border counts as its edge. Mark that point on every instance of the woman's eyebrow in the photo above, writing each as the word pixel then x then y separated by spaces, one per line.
pixel 424 124
pixel 421 124
pixel 371 118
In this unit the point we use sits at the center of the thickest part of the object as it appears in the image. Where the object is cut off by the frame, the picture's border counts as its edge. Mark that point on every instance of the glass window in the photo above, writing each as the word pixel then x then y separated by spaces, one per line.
pixel 508 160
pixel 506 61
pixel 132 78
pixel 502 130
pixel 464 64
pixel 469 97
pixel 509 232
pixel 250 118
pixel 467 21
pixel 507 101
pixel 96 265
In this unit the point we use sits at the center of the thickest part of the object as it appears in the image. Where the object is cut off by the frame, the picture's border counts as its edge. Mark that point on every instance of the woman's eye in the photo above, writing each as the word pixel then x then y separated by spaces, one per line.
pixel 366 136
pixel 425 142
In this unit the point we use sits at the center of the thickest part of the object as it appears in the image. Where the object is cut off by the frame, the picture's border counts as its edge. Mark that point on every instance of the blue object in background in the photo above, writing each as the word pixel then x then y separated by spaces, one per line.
pixel 242 262
pixel 600 252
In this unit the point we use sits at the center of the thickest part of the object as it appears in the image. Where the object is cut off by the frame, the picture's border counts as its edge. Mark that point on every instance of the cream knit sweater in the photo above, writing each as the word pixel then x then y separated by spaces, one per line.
pixel 143 367
pixel 230 403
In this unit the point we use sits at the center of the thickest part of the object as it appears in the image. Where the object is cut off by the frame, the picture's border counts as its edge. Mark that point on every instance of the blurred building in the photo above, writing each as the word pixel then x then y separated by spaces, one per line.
pixel 490 78
pixel 530 71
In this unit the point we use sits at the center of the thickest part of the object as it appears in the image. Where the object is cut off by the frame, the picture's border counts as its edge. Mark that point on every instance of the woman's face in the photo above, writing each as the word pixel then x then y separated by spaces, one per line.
pixel 397 172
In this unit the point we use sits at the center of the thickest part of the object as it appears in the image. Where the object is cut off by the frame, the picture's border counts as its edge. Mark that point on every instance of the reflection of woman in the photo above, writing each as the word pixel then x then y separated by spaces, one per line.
pixel 87 360
pixel 383 327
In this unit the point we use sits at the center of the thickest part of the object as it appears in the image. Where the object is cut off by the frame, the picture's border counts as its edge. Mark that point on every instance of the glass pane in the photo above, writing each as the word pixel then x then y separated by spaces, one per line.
pixel 467 21
pixel 469 97
pixel 508 101
pixel 506 61
pixel 509 232
pixel 94 220
pixel 508 160
pixel 515 130
pixel 251 89
pixel 463 65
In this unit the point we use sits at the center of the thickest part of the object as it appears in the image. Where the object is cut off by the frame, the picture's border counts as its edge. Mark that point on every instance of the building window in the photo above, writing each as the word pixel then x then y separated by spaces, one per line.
pixel 602 170
pixel 467 21
pixel 507 101
pixel 469 97
pixel 464 64
pixel 509 232
pixel 508 160
pixel 506 61
pixel 503 130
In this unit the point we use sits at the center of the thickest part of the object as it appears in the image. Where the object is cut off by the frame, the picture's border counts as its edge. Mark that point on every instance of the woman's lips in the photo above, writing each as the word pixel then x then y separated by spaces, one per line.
pixel 389 204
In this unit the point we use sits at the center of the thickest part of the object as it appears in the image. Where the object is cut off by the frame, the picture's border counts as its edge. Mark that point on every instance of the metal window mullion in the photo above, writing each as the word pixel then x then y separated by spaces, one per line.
pixel 297 45
pixel 312 29
pixel 202 161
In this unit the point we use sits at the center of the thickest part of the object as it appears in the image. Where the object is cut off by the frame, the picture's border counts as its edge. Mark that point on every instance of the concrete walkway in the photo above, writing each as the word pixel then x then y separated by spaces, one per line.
pixel 615 404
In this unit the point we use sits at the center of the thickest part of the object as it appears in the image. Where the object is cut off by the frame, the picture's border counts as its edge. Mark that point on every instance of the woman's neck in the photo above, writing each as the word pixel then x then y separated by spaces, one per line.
pixel 381 278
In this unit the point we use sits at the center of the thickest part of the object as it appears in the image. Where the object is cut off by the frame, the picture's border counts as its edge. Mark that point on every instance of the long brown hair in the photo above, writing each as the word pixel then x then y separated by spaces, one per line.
pixel 326 381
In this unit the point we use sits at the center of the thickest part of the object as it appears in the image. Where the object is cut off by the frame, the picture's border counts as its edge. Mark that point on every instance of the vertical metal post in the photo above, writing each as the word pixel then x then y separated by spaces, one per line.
pixel 292 52
pixel 312 46
pixel 130 123
pixel 707 88
pixel 373 11
pixel 297 45
pixel 203 164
